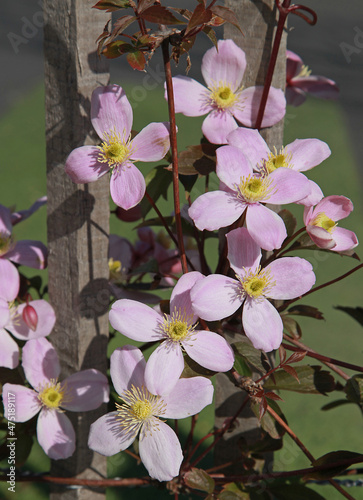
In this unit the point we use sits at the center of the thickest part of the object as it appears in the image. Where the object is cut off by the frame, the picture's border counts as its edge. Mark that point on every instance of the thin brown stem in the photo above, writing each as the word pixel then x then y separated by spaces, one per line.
pixel 278 251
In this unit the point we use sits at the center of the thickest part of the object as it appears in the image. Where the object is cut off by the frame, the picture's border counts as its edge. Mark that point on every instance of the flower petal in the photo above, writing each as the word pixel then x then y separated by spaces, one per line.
pixel 111 111
pixel 164 368
pixel 189 396
pixel 26 402
pixel 293 277
pixel 82 165
pixel 307 153
pixel 251 143
pixel 294 96
pixel 152 143
pixel 262 324
pixel 316 195
pixel 321 237
pixel 9 280
pixel 289 186
pixel 127 368
pixel 86 390
pixel 344 239
pixel 21 215
pixel 294 64
pixel 120 249
pixel 243 251
pixel 216 297
pixel 217 125
pixel 225 66
pixel 46 321
pixel 40 362
pixel 335 207
pixel 6 226
pixel 215 209
pixel 135 320
pixel 55 434
pixel 318 86
pixel 4 313
pixel 232 164
pixel 127 185
pixel 107 437
pixel 9 352
pixel 180 296
pixel 210 350
pixel 29 253
pixel 265 226
pixel 250 99
pixel 189 96
pixel 160 452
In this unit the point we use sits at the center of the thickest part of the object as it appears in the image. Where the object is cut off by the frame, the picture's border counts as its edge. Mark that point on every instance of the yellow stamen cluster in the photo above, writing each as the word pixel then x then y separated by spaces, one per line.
pixel 52 394
pixel 222 96
pixel 305 71
pixel 277 159
pixel 254 188
pixel 322 220
pixel 6 243
pixel 256 283
pixel 115 149
pixel 178 326
pixel 118 273
pixel 138 407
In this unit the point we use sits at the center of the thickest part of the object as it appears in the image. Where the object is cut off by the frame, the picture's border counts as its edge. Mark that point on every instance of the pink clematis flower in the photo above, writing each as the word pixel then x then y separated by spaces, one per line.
pixel 159 447
pixel 82 391
pixel 111 116
pixel 300 82
pixel 245 190
pixel 177 332
pixel 11 317
pixel 225 99
pixel 217 296
pixel 321 224
pixel 24 252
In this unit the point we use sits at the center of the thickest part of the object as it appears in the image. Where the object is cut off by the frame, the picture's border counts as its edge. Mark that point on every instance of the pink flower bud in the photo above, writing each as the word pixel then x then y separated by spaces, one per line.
pixel 30 317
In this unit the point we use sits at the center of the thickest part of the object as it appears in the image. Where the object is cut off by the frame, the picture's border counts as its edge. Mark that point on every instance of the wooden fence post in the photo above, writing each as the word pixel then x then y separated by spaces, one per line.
pixel 257 19
pixel 78 217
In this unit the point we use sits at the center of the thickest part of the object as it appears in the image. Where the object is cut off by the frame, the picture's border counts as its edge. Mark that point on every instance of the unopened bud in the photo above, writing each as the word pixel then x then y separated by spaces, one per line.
pixel 30 317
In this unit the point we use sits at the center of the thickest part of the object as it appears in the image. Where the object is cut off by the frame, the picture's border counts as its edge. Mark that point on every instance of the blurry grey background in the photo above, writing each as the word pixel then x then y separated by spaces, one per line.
pixel 333 48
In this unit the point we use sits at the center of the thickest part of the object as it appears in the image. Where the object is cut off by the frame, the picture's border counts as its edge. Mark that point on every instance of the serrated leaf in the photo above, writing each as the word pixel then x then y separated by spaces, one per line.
pixel 200 16
pixel 354 389
pixel 273 396
pixel 211 35
pixel 268 423
pixel 335 404
pixel 200 159
pixel 120 25
pixel 291 371
pixel 334 458
pixel 136 60
pixel 309 311
pixel 296 357
pixel 354 312
pixel 157 181
pixel 289 220
pixel 144 4
pixel 291 326
pixel 254 357
pixel 226 14
pixel 111 5
pixel 199 480
pixel 160 15
pixel 116 49
pixel 313 380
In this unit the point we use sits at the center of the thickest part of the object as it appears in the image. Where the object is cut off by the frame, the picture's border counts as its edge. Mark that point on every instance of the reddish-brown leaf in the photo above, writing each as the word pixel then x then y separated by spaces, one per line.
pixel 211 35
pixel 136 60
pixel 291 371
pixel 272 395
pixel 160 15
pixel 120 25
pixel 144 4
pixel 296 357
pixel 226 14
pixel 282 354
pixel 199 17
pixel 263 408
pixel 116 49
pixel 111 5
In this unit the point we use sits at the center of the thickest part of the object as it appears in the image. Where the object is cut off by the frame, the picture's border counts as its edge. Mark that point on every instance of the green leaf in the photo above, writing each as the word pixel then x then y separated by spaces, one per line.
pixel 151 266
pixel 160 15
pixel 241 366
pixel 313 380
pixel 136 60
pixel 333 458
pixel 335 404
pixel 267 443
pixel 157 181
pixel 199 159
pixel 116 49
pixel 354 312
pixel 193 369
pixel 233 491
pixel 112 5
pixel 199 480
pixel 267 422
pixel 354 389
pixel 291 326
pixel 289 220
pixel 309 311
pixel 254 357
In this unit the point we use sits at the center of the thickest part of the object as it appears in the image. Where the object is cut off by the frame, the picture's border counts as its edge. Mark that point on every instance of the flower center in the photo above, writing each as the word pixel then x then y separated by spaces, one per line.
pixel 253 189
pixel 277 160
pixel 322 220
pixel 118 273
pixel 305 71
pixel 114 150
pixel 52 394
pixel 221 96
pixel 256 283
pixel 178 326
pixel 6 243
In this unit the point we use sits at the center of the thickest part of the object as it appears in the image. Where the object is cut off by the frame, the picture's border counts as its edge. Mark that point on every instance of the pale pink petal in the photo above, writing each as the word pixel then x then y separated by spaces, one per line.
pixel 294 64
pixel 9 280
pixel 217 125
pixel 335 207
pixel 24 214
pixel 111 111
pixel 232 164
pixel 308 212
pixel 321 237
pixel 243 251
pixel 40 362
pixel 180 296
pixel 26 402
pixel 4 312
pixel 127 368
pixel 107 437
pixel 216 209
pixel 316 194
pixel 251 143
pixel 29 253
pixel 344 239
pixel 216 297
pixel 294 96
pixel 6 226
pixel 190 96
pixel 288 186
pixel 85 390
pixel 82 165
pixel 120 249
pixel 55 434
pixel 9 352
pixel 265 226
pixel 136 321
pixel 189 396
pixel 152 143
pixel 225 66
pixel 210 350
pixel 250 98
pixel 292 276
pixel 307 153
pixel 262 324
pixel 164 368
pixel 318 86
pixel 127 185
pixel 46 321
